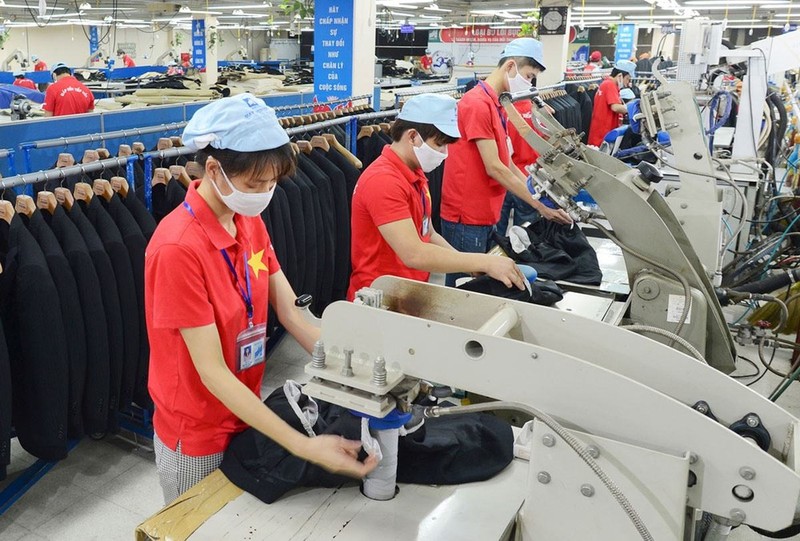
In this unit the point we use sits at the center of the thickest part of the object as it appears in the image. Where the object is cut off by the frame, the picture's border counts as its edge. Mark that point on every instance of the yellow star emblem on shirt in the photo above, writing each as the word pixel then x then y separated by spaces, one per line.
pixel 256 262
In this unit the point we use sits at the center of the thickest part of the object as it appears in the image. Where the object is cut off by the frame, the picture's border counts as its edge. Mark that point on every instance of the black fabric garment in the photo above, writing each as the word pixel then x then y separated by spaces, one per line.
pixel 135 244
pixel 176 193
pixel 323 235
pixel 450 450
pixel 351 172
pixel 5 406
pixel 369 149
pixel 312 212
pixel 145 220
pixel 435 186
pixel 111 305
pixel 273 217
pixel 117 252
pixel 341 214
pixel 543 292
pixel 96 390
pixel 31 316
pixel 297 229
pixel 328 232
pixel 71 314
pixel 284 224
pixel 557 252
pixel 159 202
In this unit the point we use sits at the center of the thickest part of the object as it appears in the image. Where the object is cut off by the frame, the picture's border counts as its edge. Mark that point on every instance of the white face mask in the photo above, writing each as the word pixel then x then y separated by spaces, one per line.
pixel 428 157
pixel 246 204
pixel 518 83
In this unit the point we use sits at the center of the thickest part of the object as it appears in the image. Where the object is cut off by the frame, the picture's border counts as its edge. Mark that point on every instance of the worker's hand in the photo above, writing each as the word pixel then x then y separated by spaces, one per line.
pixel 504 269
pixel 337 455
pixel 555 215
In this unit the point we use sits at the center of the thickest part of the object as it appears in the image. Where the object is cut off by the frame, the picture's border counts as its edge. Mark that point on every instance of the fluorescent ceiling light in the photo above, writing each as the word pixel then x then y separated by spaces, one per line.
pixel 593 13
pixel 728 8
pixel 589 9
pixel 435 7
pixel 171 19
pixel 432 17
pixel 23 6
pixel 658 17
pixel 401 14
pixel 263 5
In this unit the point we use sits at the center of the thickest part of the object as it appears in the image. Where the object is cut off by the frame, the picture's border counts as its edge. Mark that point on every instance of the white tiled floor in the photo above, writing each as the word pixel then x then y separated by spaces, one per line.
pixel 104 489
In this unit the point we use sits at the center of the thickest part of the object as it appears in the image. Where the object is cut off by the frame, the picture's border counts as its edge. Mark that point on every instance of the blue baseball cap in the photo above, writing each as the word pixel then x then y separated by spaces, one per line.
pixel 436 109
pixel 59 65
pixel 626 66
pixel 529 47
pixel 242 123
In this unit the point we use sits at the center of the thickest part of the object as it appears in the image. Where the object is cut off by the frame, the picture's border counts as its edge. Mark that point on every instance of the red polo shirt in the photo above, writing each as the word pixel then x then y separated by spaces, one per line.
pixel 68 96
pixel 469 195
pixel 524 155
pixel 189 284
pixel 603 118
pixel 128 61
pixel 388 191
pixel 25 83
pixel 40 66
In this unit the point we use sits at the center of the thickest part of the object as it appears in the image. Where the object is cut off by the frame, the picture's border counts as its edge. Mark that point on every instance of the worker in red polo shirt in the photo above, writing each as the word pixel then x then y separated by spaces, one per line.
pixel 24 82
pixel 210 272
pixel 67 96
pixel 595 61
pixel 127 61
pixel 608 106
pixel 480 170
pixel 391 218
pixel 38 63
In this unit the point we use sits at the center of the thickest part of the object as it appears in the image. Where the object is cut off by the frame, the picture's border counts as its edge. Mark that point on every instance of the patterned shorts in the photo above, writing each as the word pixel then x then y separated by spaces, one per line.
pixel 178 472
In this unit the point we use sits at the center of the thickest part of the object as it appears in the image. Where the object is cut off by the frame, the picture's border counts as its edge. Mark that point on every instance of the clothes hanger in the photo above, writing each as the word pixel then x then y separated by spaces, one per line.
pixel 164 143
pixel 90 156
pixel 47 201
pixel 334 142
pixel 6 211
pixel 103 188
pixel 124 151
pixel 25 205
pixel 318 141
pixel 83 192
pixel 120 185
pixel 384 126
pixel 176 141
pixel 295 148
pixel 65 159
pixel 102 153
pixel 138 147
pixel 179 173
pixel 64 197
pixel 161 176
pixel 366 131
pixel 305 147
pixel 194 170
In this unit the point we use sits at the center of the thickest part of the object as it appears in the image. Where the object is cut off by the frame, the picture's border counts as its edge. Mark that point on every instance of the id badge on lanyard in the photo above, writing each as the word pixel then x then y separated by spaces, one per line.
pixel 251 343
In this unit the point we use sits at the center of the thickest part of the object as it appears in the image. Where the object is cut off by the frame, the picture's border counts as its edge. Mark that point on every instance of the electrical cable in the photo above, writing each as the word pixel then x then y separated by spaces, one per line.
pixel 657 330
pixel 687 295
pixel 572 441
pixel 754 365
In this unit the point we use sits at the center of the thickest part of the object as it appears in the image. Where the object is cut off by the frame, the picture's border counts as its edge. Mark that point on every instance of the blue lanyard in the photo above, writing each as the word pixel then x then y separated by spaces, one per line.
pixel 503 119
pixel 247 296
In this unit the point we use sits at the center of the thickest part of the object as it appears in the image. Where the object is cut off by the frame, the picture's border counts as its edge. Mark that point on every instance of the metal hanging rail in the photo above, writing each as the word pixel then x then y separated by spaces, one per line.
pixel 92 137
pixel 148 168
pixel 299 106
pixel 64 172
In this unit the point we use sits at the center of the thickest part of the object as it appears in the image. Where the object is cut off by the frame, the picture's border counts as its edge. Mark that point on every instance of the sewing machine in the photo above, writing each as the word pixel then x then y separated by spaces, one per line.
pixel 674 436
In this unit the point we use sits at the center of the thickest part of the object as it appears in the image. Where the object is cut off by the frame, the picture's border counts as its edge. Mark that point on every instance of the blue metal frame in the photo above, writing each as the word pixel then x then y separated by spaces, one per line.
pixel 19 486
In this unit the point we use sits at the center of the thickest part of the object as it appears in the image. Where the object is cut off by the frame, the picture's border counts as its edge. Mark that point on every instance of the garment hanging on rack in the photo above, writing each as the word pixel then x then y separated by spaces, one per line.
pixel 35 338
pixel 145 221
pixel 134 241
pixel 96 390
pixel 71 314
pixel 5 405
pixel 123 273
pixel 107 283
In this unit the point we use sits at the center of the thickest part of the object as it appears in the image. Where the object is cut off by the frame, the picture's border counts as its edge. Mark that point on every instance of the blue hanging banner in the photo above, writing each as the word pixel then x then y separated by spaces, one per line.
pixel 626 37
pixel 199 43
pixel 94 39
pixel 333 49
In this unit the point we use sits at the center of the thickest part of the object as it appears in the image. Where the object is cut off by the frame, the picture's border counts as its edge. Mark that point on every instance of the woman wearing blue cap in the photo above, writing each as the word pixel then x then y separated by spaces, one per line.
pixel 608 106
pixel 391 218
pixel 210 271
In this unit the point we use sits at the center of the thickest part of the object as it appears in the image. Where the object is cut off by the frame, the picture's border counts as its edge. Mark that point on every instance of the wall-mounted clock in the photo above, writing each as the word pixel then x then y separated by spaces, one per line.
pixel 553 20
